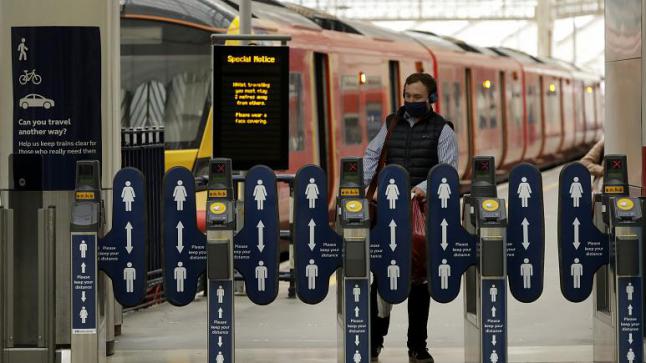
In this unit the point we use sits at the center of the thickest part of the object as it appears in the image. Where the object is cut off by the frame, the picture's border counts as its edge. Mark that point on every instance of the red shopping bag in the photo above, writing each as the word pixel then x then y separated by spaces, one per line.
pixel 419 241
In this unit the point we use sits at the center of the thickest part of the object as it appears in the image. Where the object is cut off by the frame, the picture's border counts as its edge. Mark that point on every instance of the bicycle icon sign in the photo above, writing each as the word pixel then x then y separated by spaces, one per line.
pixel 30 76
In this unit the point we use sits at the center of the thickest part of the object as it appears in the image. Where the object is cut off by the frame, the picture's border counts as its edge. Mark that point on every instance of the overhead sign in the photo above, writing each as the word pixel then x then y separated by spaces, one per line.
pixel 391 237
pixel 251 103
pixel 122 252
pixel 317 247
pixel 451 249
pixel 525 233
pixel 84 271
pixel 255 254
pixel 184 243
pixel 583 249
pixel 57 98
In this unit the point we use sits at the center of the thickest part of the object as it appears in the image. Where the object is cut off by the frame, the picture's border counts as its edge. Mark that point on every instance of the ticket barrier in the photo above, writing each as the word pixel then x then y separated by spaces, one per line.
pixel 352 248
pixel 120 254
pixel 600 252
pixel 488 247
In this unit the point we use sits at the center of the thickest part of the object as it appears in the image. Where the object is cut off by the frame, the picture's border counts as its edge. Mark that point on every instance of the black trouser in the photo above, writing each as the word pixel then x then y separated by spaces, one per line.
pixel 419 301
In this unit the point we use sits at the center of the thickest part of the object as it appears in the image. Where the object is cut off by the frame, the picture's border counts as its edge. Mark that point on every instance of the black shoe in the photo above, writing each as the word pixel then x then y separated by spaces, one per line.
pixel 420 356
pixel 374 353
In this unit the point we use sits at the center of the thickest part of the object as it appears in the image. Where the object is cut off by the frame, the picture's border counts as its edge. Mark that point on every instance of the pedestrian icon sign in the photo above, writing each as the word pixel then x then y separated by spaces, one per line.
pixel 22 50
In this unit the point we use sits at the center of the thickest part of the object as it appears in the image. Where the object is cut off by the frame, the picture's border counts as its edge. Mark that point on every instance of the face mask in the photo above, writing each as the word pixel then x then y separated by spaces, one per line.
pixel 416 109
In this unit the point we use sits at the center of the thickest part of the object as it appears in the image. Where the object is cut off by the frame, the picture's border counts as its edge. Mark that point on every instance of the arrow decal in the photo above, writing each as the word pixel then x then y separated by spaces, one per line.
pixel 576 225
pixel 129 237
pixel 261 237
pixel 444 224
pixel 312 226
pixel 525 224
pixel 180 236
pixel 393 232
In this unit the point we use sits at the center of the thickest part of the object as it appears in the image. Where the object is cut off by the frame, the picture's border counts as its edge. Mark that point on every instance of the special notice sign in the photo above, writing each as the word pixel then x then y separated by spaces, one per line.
pixel 250 105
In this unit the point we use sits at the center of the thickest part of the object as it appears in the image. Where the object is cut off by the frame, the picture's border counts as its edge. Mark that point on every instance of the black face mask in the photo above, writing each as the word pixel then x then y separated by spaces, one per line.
pixel 416 109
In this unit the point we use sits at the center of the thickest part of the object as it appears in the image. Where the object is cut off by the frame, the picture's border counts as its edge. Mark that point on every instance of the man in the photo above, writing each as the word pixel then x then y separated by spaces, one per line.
pixel 417 138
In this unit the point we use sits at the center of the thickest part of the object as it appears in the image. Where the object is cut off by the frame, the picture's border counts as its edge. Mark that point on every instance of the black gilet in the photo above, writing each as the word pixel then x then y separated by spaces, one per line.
pixel 414 148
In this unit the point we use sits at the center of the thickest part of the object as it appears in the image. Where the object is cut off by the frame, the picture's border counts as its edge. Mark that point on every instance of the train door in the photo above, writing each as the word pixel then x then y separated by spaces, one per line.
pixel 321 79
pixel 502 90
pixel 395 85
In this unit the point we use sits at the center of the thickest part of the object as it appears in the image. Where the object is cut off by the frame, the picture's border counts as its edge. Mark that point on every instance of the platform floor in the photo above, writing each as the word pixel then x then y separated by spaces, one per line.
pixel 548 330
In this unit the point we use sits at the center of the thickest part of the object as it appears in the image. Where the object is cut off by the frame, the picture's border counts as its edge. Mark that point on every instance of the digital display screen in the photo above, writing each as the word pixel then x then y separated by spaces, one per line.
pixel 351 172
pixel 250 105
pixel 218 172
pixel 86 175
pixel 615 170
pixel 483 169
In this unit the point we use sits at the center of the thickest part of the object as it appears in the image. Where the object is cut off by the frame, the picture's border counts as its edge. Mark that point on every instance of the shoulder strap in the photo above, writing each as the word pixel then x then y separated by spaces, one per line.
pixel 391 123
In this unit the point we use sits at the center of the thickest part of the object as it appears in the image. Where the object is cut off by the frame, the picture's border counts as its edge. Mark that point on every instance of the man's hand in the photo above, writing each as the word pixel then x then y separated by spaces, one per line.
pixel 419 193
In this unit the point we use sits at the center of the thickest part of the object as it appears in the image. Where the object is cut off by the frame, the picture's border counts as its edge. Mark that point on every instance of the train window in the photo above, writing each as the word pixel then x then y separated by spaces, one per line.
pixel 532 105
pixel 165 78
pixel 516 102
pixel 352 130
pixel 588 99
pixel 373 116
pixel 552 103
pixel 296 123
pixel 452 102
pixel 487 105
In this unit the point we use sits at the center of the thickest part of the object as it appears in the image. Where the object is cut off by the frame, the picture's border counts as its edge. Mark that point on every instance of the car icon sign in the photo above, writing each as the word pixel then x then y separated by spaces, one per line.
pixel 35 100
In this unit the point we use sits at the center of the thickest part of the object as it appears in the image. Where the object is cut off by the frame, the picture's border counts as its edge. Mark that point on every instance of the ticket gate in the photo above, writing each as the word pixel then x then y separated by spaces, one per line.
pixel 487 247
pixel 120 254
pixel 600 251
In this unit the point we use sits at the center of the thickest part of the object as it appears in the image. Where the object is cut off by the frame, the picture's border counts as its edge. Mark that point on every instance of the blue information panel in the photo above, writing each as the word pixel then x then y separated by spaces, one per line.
pixel 317 246
pixel 525 233
pixel 451 250
pixel 391 237
pixel 221 328
pixel 494 320
pixel 84 273
pixel 184 244
pixel 357 329
pixel 256 245
pixel 57 100
pixel 629 306
pixel 122 252
pixel 582 247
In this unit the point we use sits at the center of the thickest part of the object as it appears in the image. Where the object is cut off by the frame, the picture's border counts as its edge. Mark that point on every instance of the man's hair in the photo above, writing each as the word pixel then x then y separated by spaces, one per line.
pixel 426 79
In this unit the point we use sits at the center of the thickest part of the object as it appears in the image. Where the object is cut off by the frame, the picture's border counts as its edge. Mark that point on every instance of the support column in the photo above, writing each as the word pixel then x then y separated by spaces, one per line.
pixel 545 24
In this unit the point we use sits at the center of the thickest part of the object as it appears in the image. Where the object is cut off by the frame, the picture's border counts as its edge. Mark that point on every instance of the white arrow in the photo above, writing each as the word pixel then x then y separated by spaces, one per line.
pixel 525 224
pixel 630 338
pixel 261 238
pixel 219 341
pixel 180 236
pixel 312 225
pixel 493 312
pixel 129 237
pixel 493 340
pixel 393 232
pixel 83 298
pixel 356 340
pixel 630 310
pixel 220 313
pixel 356 312
pixel 83 268
pixel 576 225
pixel 444 224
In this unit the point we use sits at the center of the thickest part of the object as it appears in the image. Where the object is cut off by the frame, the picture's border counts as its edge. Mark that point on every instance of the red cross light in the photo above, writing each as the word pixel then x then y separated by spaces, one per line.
pixel 219 168
pixel 615 164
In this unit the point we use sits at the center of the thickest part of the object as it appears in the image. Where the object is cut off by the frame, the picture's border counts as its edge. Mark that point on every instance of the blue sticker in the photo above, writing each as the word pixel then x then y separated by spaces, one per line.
pixel 122 252
pixel 629 309
pixel 357 326
pixel 451 249
pixel 221 327
pixel 525 233
pixel 391 237
pixel 317 247
pixel 494 320
pixel 256 245
pixel 184 243
pixel 84 283
pixel 583 249
pixel 56 99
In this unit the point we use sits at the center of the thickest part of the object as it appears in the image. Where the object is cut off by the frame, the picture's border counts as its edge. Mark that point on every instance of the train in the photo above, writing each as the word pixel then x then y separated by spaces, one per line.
pixel 345 77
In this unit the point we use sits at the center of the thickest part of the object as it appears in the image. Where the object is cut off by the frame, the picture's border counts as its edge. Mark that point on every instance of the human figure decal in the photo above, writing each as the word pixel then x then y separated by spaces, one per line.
pixel 22 50
pixel 444 193
pixel 312 193
pixel 444 271
pixel 261 275
pixel 524 192
pixel 311 272
pixel 180 275
pixel 83 248
pixel 180 195
pixel 393 274
pixel 576 271
pixel 130 275
pixel 527 271
pixel 260 194
pixel 576 192
pixel 392 194
pixel 128 196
